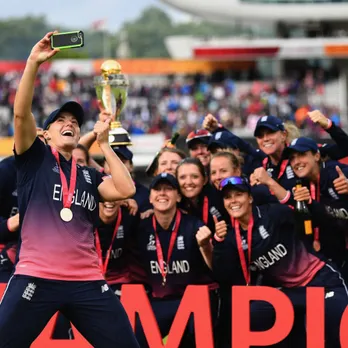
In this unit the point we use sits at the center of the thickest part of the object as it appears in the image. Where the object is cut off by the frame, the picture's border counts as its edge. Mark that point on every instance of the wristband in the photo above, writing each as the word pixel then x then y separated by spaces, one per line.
pixel 218 239
pixel 286 198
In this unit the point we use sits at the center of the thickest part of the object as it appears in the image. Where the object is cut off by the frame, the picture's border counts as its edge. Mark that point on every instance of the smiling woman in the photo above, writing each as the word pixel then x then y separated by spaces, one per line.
pixel 49 184
pixel 62 128
pixel 263 240
pixel 174 249
pixel 198 196
pixel 168 159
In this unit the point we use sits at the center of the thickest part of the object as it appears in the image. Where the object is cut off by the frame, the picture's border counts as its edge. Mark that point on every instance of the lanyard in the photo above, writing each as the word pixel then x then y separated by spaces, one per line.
pixel 68 193
pixel 164 270
pixel 282 166
pixel 104 265
pixel 205 210
pixel 315 194
pixel 243 262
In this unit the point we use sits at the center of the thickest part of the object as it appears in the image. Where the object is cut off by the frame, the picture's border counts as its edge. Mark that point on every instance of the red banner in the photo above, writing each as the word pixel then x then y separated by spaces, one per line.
pixel 196 301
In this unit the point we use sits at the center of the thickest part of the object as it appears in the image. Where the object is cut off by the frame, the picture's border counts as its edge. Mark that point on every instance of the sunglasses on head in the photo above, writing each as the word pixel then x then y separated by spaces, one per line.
pixel 233 180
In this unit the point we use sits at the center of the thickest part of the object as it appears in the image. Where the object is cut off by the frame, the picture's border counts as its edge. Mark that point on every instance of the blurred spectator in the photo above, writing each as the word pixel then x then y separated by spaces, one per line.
pixel 178 104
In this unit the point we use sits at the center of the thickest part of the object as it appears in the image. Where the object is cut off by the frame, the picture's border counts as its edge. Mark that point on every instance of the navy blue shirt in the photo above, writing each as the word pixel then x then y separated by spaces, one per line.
pixel 330 214
pixel 119 270
pixel 284 175
pixel 186 265
pixel 141 196
pixel 277 252
pixel 49 247
pixel 8 198
pixel 213 208
pixel 338 150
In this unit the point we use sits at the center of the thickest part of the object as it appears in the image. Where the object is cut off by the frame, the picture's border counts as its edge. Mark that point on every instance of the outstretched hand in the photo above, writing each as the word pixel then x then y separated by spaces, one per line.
pixel 42 51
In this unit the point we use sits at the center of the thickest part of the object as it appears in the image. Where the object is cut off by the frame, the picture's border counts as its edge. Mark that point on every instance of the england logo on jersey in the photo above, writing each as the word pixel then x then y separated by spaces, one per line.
pixel 215 212
pixel 151 245
pixel 244 244
pixel 332 193
pixel 120 233
pixel 263 232
pixel 87 176
pixel 289 173
pixel 180 243
pixel 56 169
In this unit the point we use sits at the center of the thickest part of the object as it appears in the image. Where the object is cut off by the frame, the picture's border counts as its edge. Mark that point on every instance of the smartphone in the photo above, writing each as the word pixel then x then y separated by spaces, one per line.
pixel 71 39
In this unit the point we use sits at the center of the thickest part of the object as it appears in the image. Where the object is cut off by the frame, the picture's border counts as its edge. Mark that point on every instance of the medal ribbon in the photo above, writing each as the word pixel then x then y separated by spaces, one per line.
pixel 245 266
pixel 315 194
pixel 282 166
pixel 104 265
pixel 205 210
pixel 171 244
pixel 68 194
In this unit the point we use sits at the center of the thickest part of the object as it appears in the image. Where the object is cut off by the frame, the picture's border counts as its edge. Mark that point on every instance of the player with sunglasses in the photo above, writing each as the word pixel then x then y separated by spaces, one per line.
pixel 264 239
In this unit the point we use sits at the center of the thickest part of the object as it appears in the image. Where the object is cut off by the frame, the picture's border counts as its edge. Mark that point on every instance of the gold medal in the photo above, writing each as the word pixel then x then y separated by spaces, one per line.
pixel 66 214
pixel 316 245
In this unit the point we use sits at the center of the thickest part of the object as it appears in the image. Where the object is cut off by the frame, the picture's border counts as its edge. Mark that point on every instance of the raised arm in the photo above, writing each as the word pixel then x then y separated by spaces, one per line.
pixel 120 185
pixel 24 122
pixel 89 138
pixel 334 151
pixel 212 125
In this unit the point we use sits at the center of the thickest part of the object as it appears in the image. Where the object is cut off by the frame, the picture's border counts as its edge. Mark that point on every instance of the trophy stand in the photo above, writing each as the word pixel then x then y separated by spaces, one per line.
pixel 111 88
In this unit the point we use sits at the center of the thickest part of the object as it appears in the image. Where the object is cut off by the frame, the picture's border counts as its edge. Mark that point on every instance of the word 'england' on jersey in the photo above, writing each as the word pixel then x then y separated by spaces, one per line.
pixel 272 256
pixel 177 267
pixel 50 247
pixel 82 198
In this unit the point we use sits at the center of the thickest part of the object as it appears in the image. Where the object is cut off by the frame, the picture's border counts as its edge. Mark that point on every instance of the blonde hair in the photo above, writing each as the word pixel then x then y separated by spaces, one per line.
pixel 292 131
pixel 234 160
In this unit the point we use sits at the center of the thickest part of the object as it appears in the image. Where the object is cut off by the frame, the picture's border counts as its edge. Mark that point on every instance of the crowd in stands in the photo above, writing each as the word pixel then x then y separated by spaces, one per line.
pixel 169 105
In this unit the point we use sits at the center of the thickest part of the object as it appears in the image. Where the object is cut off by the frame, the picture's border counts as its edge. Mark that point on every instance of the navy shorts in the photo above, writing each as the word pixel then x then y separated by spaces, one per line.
pixel 29 303
pixel 165 311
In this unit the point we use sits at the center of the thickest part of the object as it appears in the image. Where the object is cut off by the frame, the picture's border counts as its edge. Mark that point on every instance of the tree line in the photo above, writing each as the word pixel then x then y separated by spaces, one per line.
pixel 145 35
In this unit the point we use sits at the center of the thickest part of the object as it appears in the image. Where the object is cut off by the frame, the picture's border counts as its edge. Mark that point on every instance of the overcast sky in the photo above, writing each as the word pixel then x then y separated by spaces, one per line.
pixel 79 14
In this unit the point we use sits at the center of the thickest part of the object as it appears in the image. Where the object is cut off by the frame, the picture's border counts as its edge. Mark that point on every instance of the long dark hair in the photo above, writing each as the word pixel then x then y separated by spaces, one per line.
pixel 194 161
pixel 186 203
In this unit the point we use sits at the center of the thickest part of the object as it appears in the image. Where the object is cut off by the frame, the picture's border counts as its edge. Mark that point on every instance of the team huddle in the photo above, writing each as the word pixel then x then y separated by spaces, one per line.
pixel 73 231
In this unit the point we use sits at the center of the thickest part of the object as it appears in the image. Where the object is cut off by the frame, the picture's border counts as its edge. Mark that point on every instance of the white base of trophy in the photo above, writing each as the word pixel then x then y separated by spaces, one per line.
pixel 119 136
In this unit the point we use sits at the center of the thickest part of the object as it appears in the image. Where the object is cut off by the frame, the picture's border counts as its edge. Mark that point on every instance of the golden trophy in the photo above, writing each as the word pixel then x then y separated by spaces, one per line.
pixel 111 88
